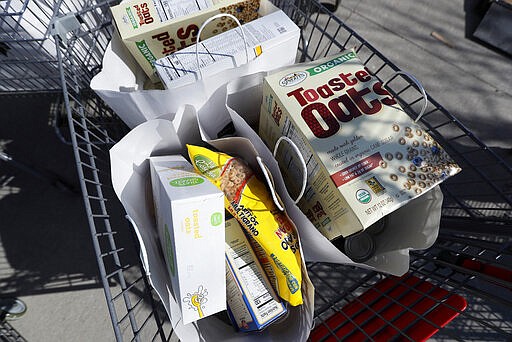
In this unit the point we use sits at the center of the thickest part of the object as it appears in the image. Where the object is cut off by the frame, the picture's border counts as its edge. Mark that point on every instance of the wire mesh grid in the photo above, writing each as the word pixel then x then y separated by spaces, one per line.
pixel 434 277
pixel 12 8
pixel 9 334
pixel 27 53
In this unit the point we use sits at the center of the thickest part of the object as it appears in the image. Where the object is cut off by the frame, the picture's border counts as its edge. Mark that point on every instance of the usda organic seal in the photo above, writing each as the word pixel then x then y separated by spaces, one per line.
pixel 363 196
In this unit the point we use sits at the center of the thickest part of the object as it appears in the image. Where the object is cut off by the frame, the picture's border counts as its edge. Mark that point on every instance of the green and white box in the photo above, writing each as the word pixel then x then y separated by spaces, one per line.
pixel 189 211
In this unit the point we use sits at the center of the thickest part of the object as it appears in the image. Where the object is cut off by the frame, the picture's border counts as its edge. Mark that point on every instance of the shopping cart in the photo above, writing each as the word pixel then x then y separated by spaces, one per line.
pixel 464 278
pixel 28 61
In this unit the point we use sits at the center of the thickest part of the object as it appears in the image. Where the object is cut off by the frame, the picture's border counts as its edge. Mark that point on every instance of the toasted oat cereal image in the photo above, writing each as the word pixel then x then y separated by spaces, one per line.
pixel 233 178
pixel 244 11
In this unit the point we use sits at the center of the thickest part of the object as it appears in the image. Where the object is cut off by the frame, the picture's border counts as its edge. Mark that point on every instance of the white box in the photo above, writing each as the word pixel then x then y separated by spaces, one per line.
pixel 227 50
pixel 190 220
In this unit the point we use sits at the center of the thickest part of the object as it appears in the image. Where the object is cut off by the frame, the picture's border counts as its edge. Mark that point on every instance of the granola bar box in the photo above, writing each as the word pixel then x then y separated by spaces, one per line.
pixel 365 156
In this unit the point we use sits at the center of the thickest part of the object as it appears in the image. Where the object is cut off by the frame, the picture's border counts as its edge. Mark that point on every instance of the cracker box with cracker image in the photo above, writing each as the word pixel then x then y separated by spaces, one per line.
pixel 154 29
pixel 365 156
pixel 189 211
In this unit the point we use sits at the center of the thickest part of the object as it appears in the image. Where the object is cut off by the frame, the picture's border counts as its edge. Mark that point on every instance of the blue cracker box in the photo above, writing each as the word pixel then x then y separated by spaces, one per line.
pixel 252 302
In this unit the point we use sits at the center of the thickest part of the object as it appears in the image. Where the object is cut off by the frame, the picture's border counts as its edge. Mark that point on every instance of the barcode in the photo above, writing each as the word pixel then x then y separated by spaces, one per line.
pixel 281 29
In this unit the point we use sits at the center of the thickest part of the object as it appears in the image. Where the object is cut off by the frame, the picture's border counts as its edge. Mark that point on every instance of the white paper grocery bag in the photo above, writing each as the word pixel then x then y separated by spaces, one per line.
pixel 121 81
pixel 132 184
pixel 414 226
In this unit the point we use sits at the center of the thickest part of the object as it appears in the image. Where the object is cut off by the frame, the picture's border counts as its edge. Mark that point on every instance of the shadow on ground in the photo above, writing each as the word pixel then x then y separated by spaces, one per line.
pixel 45 243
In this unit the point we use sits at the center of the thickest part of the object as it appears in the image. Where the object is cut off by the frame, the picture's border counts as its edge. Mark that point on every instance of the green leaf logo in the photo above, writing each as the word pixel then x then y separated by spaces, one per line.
pixel 216 219
pixel 186 181
pixel 206 166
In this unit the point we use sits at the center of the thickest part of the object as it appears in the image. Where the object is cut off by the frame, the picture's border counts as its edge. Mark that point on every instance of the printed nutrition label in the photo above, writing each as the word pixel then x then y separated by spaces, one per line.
pixel 228 45
pixel 255 286
pixel 235 300
pixel 170 9
pixel 253 282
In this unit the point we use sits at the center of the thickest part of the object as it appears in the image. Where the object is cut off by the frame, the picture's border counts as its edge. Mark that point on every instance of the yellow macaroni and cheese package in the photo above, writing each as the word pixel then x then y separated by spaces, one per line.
pixel 248 200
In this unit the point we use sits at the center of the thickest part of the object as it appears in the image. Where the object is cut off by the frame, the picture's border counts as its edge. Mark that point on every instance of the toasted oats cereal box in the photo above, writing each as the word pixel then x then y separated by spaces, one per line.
pixel 190 219
pixel 252 302
pixel 154 29
pixel 365 156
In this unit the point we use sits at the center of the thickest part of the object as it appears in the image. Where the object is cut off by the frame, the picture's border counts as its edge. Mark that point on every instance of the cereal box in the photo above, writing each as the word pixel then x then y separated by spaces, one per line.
pixel 365 156
pixel 252 302
pixel 190 218
pixel 153 29
pixel 266 34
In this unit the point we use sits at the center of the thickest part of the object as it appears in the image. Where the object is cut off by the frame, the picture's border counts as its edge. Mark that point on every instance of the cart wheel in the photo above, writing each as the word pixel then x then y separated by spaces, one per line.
pixel 11 309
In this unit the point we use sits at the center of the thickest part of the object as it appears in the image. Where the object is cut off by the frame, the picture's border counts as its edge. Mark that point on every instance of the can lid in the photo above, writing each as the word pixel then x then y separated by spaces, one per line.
pixel 360 246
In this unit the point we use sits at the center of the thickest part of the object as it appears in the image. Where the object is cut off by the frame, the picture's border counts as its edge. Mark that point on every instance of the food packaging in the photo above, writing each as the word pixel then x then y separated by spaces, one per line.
pixel 189 211
pixel 153 29
pixel 228 49
pixel 365 156
pixel 252 302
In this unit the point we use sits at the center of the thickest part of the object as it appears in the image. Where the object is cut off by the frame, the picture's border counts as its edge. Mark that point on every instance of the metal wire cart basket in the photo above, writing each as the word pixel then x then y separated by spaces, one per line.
pixel 28 61
pixel 465 278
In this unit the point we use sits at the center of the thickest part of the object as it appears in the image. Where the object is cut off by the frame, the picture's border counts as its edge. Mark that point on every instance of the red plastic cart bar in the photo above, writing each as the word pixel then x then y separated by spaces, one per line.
pixel 468 264
pixel 404 308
